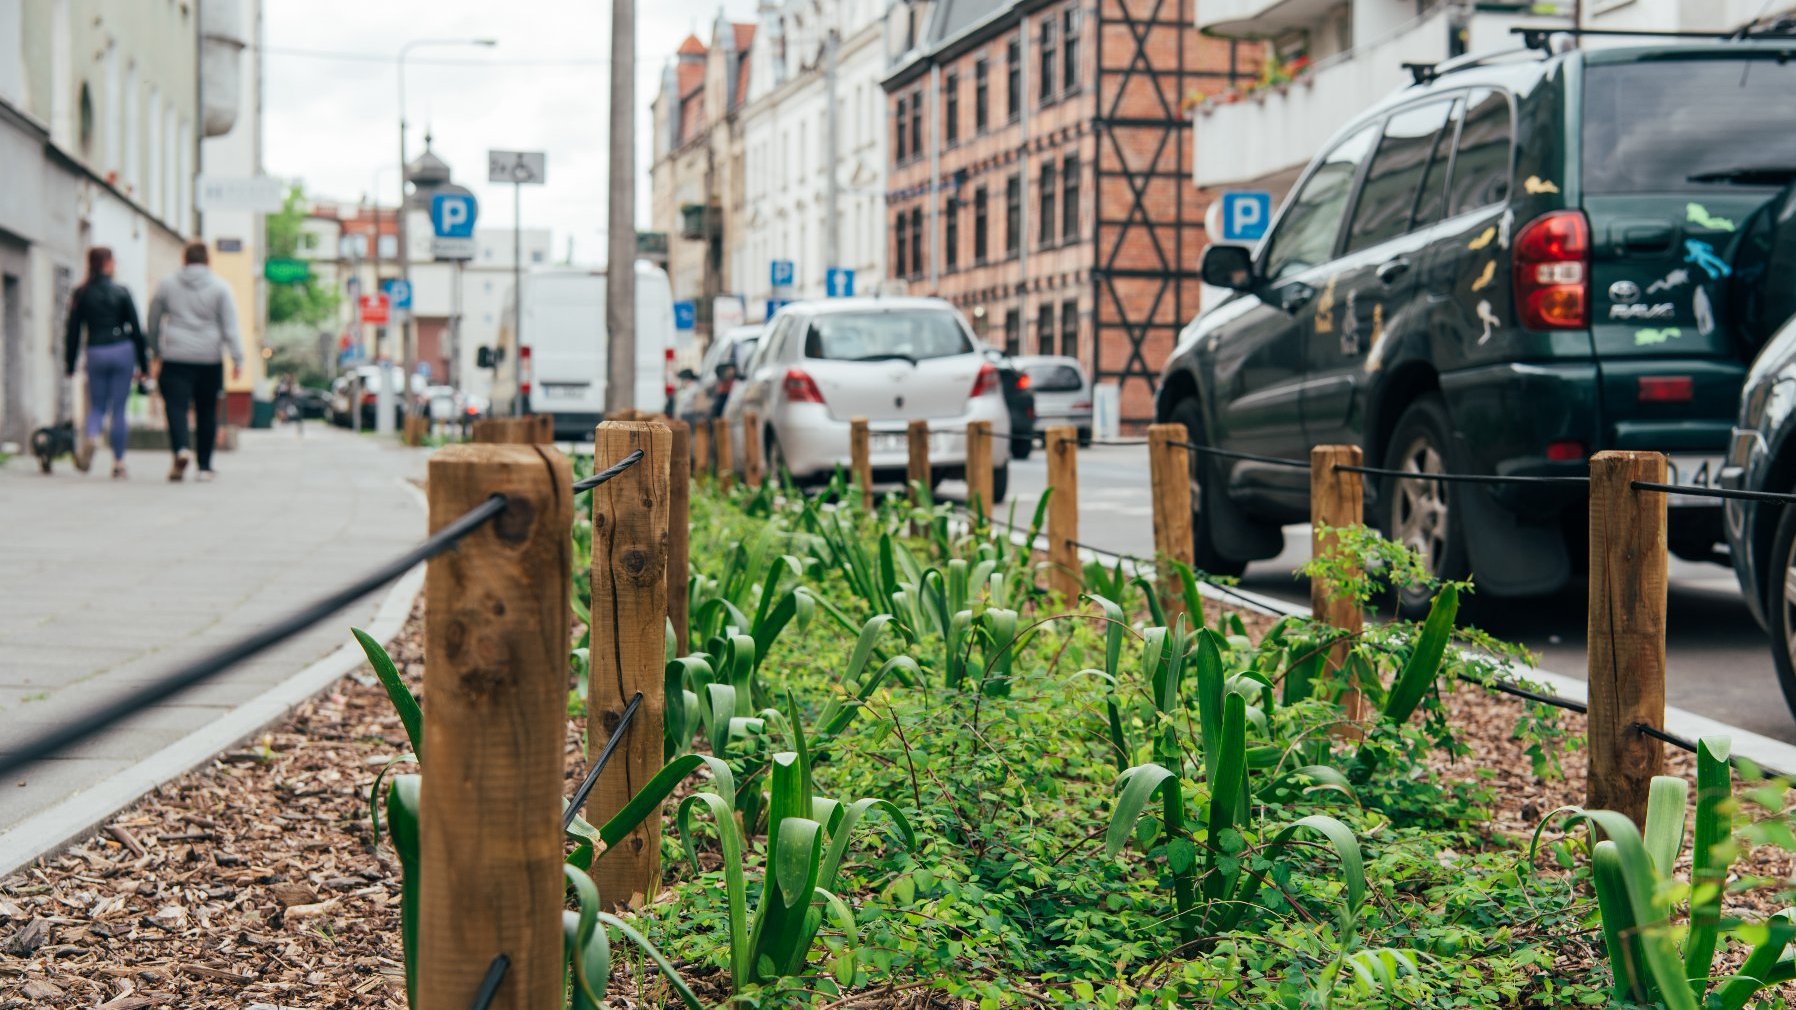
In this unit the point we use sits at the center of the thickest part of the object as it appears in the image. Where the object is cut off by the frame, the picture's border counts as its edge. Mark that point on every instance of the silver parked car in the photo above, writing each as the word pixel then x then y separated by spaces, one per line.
pixel 734 346
pixel 890 360
pixel 1062 393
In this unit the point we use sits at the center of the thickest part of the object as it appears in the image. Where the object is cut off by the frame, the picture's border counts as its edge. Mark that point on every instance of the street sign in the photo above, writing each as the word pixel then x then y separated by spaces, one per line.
pixel 726 312
pixel 838 283
pixel 781 273
pixel 397 293
pixel 685 315
pixel 1245 215
pixel 522 167
pixel 278 270
pixel 775 304
pixel 452 214
pixel 375 310
pixel 262 194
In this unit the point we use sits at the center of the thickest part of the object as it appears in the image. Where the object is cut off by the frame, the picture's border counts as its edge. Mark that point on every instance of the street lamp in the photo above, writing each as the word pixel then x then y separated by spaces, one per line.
pixel 408 332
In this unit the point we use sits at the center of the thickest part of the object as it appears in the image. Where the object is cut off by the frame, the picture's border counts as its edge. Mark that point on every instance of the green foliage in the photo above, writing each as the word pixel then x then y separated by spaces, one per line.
pixel 311 303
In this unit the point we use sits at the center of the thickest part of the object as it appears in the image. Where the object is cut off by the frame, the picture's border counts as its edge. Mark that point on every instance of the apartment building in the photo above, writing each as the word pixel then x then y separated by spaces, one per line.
pixel 1039 173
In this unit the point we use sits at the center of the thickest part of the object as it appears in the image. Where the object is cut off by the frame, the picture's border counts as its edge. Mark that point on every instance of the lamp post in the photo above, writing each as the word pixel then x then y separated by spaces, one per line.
pixel 408 334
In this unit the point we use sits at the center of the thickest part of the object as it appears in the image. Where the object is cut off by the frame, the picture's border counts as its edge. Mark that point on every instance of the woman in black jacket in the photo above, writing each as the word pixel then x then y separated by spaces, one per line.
pixel 116 354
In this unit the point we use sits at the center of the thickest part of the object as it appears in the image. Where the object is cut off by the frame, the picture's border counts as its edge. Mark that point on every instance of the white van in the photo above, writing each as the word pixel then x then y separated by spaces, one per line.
pixel 559 367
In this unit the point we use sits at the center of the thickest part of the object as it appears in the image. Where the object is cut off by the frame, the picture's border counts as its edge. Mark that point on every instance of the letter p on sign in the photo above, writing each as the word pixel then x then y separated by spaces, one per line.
pixel 1245 215
pixel 452 215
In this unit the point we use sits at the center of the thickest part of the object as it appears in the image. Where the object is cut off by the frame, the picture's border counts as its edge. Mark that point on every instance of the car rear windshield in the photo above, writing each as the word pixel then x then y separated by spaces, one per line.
pixel 1675 124
pixel 885 336
pixel 1054 379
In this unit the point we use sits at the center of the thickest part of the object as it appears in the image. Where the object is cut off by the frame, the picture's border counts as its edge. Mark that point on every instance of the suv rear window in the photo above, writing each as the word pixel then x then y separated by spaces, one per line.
pixel 1672 124
pixel 1054 379
pixel 881 336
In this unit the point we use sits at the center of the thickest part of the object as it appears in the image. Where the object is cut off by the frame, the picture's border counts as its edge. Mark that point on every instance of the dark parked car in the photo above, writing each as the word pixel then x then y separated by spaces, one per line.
pixel 1502 269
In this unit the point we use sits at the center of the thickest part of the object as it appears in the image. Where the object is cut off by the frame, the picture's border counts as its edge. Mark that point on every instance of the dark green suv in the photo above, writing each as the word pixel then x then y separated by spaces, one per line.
pixel 1511 265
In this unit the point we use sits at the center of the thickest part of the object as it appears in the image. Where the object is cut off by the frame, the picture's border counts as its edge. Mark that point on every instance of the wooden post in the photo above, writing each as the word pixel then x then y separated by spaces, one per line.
pixel 725 447
pixel 496 670
pixel 860 460
pixel 488 430
pixel 701 449
pixel 1065 576
pixel 416 429
pixel 629 613
pixel 979 468
pixel 679 544
pixel 917 473
pixel 1337 499
pixel 542 431
pixel 751 448
pixel 1627 631
pixel 1169 464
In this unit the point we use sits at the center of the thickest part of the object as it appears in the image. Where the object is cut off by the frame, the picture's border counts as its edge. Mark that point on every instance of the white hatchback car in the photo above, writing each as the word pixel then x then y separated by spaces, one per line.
pixel 890 360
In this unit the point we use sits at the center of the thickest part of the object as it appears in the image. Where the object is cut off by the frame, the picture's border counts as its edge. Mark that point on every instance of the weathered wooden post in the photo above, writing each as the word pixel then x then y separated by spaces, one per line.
pixel 860 460
pixel 1627 631
pixel 495 670
pixel 751 448
pixel 679 542
pixel 979 468
pixel 917 471
pixel 701 449
pixel 629 613
pixel 1065 576
pixel 1337 499
pixel 723 445
pixel 1169 465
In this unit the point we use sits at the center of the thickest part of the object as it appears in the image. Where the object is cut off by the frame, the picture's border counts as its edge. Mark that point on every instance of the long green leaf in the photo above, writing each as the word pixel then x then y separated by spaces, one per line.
pixel 1708 873
pixel 402 818
pixel 735 886
pixel 1423 666
pixel 1764 966
pixel 589 950
pixel 1226 789
pixel 1621 927
pixel 1346 847
pixel 648 799
pixel 668 971
pixel 404 702
pixel 1667 798
pixel 1135 789
pixel 841 832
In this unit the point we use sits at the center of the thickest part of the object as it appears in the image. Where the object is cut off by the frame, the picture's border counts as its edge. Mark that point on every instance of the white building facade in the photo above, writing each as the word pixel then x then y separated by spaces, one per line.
pixel 794 152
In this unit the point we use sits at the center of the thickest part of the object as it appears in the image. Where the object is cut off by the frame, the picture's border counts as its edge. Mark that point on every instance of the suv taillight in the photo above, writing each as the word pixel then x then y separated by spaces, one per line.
pixel 987 381
pixel 1552 272
pixel 526 371
pixel 801 388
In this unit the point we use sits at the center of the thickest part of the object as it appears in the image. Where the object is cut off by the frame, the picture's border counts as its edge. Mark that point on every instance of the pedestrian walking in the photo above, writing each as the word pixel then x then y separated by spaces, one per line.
pixel 193 326
pixel 116 354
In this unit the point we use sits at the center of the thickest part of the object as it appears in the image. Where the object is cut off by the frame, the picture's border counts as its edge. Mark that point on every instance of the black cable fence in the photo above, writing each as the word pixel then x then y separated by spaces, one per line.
pixel 609 472
pixel 578 800
pixel 489 986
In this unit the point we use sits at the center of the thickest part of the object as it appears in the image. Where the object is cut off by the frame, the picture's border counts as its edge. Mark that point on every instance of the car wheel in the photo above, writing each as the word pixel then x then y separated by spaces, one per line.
pixel 1020 448
pixel 1084 438
pixel 1000 483
pixel 1780 605
pixel 1203 538
pixel 1420 514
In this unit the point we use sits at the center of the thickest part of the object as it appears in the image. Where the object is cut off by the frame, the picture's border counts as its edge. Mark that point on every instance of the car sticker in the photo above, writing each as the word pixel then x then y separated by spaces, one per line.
pixel 1503 225
pixel 1535 185
pixel 1703 255
pixel 1698 215
pixel 1488 318
pixel 1705 313
pixel 1647 338
pixel 1484 238
pixel 1676 278
pixel 1350 325
pixel 1375 352
pixel 1325 307
pixel 1484 279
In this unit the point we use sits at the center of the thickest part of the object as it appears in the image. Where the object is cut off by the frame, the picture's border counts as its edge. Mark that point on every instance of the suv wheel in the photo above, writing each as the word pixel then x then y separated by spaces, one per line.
pixel 1419 513
pixel 1203 538
pixel 1000 486
pixel 1780 604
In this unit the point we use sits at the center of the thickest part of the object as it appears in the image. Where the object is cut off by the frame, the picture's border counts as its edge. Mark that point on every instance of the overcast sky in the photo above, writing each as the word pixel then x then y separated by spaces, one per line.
pixel 330 108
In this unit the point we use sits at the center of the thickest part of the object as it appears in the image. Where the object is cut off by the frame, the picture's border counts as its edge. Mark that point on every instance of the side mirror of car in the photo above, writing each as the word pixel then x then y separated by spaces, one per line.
pixel 1228 266
pixel 726 371
pixel 484 358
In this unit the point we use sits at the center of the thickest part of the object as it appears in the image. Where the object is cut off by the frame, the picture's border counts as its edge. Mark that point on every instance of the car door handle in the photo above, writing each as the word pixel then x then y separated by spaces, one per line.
pixel 1391 269
pixel 1295 296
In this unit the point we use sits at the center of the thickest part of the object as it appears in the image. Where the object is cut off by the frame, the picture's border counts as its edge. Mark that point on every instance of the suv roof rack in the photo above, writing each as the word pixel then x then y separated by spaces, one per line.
pixel 1428 73
pixel 1539 37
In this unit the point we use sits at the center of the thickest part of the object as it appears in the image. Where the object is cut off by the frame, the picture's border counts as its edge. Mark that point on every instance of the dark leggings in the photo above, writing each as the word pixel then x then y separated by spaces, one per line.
pixel 196 386
pixel 109 370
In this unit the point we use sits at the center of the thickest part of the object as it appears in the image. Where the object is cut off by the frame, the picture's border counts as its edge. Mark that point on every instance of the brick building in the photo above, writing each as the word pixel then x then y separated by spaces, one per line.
pixel 1039 173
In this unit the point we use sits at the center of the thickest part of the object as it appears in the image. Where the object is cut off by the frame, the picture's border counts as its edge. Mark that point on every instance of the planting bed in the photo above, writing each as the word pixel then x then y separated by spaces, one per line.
pixel 257 881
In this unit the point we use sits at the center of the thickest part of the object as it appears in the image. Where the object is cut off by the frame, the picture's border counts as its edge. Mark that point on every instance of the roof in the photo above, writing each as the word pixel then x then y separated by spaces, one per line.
pixel 745 35
pixel 955 16
pixel 830 306
pixel 692 47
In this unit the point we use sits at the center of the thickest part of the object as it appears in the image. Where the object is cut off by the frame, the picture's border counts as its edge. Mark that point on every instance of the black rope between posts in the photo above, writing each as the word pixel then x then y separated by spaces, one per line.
pixel 489 986
pixel 1714 492
pixel 1684 744
pixel 609 472
pixel 60 738
pixel 592 777
pixel 1464 478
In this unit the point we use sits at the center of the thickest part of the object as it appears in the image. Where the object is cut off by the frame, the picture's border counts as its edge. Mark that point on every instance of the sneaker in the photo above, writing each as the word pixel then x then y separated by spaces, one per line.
pixel 179 470
pixel 118 471
pixel 84 454
pixel 205 476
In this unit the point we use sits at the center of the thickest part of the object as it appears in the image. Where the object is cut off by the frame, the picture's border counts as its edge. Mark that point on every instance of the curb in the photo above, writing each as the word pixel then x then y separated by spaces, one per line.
pixel 52 829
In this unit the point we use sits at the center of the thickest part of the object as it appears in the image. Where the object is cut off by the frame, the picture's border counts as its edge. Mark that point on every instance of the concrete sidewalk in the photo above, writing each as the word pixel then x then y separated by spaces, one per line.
pixel 105 584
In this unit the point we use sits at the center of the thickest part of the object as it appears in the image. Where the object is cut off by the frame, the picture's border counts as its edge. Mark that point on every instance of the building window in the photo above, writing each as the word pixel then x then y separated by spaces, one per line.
pixel 981 225
pixel 1013 332
pixel 1048 186
pixel 951 118
pixel 1069 201
pixel 1049 50
pixel 916 241
pixel 1013 214
pixel 900 236
pixel 1013 79
pixel 981 96
pixel 916 123
pixel 1069 59
pixel 1044 328
pixel 898 142
pixel 951 234
pixel 1069 329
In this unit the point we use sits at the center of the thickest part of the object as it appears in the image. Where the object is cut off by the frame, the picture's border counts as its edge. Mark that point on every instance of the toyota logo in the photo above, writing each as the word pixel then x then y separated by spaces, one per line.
pixel 1626 292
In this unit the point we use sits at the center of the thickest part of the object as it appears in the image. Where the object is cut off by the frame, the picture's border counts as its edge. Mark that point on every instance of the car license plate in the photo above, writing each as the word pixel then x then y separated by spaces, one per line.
pixel 940 442
pixel 1696 471
pixel 564 390
pixel 883 443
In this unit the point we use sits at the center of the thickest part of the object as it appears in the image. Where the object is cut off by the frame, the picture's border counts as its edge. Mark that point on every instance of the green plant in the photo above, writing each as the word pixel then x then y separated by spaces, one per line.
pixel 1637 894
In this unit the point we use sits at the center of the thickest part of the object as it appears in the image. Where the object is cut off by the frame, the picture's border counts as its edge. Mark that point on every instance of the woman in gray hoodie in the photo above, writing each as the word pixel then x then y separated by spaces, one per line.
pixel 193 326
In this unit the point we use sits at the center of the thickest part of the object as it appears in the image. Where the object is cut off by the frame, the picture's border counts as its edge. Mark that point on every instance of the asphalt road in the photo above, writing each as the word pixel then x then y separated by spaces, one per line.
pixel 1719 660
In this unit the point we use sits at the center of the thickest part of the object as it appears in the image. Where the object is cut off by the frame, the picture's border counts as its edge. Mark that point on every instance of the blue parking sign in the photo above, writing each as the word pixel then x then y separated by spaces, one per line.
pixel 838 283
pixel 1245 215
pixel 452 215
pixel 781 273
pixel 685 315
pixel 398 292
